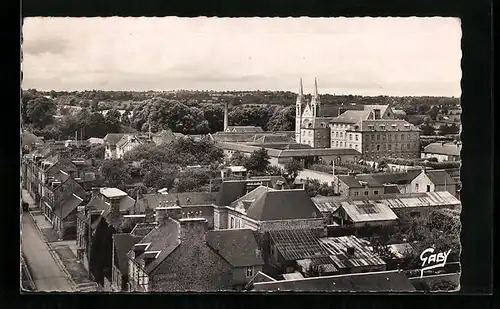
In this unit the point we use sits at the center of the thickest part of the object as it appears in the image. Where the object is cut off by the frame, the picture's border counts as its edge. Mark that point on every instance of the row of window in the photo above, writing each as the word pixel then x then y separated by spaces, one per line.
pixel 235 223
pixel 356 193
pixel 390 147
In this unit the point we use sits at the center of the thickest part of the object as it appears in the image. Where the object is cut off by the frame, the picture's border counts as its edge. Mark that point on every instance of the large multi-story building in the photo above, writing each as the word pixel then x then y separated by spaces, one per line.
pixel 373 131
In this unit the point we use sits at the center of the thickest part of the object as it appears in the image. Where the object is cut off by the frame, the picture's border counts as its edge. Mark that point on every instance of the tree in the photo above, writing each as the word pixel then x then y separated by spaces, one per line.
pixel 115 174
pixel 292 170
pixel 95 152
pixel 258 161
pixel 433 112
pixel 125 118
pixel 238 158
pixel 191 180
pixel 160 177
pixel 214 114
pixel 112 121
pixel 283 119
pixel 39 111
pixel 427 129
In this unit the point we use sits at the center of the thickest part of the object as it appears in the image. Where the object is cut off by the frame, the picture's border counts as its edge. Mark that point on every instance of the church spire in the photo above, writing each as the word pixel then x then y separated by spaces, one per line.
pixel 315 101
pixel 315 87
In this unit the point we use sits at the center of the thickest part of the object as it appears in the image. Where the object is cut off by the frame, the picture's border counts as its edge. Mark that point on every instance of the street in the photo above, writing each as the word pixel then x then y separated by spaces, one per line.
pixel 45 271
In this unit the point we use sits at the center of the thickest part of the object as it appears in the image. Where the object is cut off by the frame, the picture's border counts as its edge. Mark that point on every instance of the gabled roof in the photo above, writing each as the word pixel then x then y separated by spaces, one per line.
pixel 184 198
pixel 450 149
pixel 113 138
pixel 386 281
pixel 165 239
pixel 440 177
pixel 283 205
pixel 244 129
pixel 128 139
pixel 237 246
pixel 259 277
pixel 357 181
pixel 391 189
pixel 71 202
pixel 269 139
pixel 400 178
pixel 381 107
pixel 230 191
pixel 122 244
pixel 367 211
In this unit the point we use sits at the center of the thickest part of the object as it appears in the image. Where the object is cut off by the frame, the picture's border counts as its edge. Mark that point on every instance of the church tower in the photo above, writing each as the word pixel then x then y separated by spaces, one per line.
pixel 298 113
pixel 315 102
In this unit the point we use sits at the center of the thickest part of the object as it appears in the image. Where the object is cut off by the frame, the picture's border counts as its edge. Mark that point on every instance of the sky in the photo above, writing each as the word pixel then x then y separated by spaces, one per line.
pixel 359 56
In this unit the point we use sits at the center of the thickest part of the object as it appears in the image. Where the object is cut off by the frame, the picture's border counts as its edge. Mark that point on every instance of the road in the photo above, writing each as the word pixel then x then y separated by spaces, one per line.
pixel 45 271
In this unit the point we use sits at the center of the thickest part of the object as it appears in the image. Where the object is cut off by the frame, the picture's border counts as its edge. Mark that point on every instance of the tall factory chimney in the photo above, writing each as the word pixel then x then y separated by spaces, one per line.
pixel 226 122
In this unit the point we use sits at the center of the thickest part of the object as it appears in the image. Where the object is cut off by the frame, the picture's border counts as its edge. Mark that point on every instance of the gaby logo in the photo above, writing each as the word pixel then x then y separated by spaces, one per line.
pixel 431 260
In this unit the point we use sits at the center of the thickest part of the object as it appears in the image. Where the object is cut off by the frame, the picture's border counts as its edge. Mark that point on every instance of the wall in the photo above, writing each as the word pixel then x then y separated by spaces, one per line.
pixel 420 183
pixel 277 225
pixel 222 214
pixel 207 212
pixel 321 177
pixel 440 157
pixel 395 144
pixel 372 191
pixel 192 266
pixel 239 274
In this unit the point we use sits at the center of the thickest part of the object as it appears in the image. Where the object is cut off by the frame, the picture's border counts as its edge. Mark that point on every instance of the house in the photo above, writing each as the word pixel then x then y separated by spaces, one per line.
pixel 443 151
pixel 61 197
pixel 298 250
pixel 349 185
pixel 264 209
pixel 165 137
pixel 30 141
pixel 279 157
pixel 110 141
pixel 259 277
pixel 126 144
pixel 403 180
pixel 95 140
pixel 240 249
pixel 434 181
pixel 383 281
pixel 122 243
pixel 416 204
pixel 178 256
pixel 104 215
pixel 233 171
pixel 244 129
pixel 352 255
pixel 362 213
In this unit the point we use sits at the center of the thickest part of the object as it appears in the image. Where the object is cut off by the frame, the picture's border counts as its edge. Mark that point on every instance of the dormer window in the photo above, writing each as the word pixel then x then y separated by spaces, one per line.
pixel 382 126
pixel 370 126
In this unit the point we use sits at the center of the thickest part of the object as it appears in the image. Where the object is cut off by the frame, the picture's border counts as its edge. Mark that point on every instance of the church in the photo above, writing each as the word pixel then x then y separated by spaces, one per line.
pixel 369 129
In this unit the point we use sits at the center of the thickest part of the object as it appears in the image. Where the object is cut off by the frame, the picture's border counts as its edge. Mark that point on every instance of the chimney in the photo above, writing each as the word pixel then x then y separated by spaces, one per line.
pixel 193 230
pixel 115 206
pixel 149 257
pixel 226 120
pixel 95 192
pixel 139 249
pixel 350 251
pixel 161 215
pixel 376 113
pixel 177 202
pixel 149 215
pixel 174 212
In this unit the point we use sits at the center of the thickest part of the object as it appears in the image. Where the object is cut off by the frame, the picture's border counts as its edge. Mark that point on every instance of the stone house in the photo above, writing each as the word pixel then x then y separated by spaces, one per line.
pixel 126 144
pixel 110 141
pixel 179 255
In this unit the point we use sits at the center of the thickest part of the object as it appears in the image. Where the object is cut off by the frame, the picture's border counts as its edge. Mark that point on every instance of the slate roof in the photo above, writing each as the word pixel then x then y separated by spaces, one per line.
pixel 247 199
pixel 269 139
pixel 28 138
pixel 386 281
pixel 113 138
pixel 440 177
pixel 230 191
pixel 126 139
pixel 450 149
pixel 112 192
pixel 71 202
pixel 283 205
pixel 400 178
pixel 122 244
pixel 351 117
pixel 391 189
pixel 185 199
pixel 237 246
pixel 355 181
pixel 383 125
pixel 329 110
pixel 381 107
pixel 165 238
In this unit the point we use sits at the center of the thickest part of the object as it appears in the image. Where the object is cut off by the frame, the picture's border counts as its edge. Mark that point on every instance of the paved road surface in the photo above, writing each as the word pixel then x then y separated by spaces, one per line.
pixel 44 270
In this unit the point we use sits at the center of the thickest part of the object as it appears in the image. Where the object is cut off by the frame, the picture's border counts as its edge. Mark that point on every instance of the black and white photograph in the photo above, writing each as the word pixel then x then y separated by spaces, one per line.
pixel 258 155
